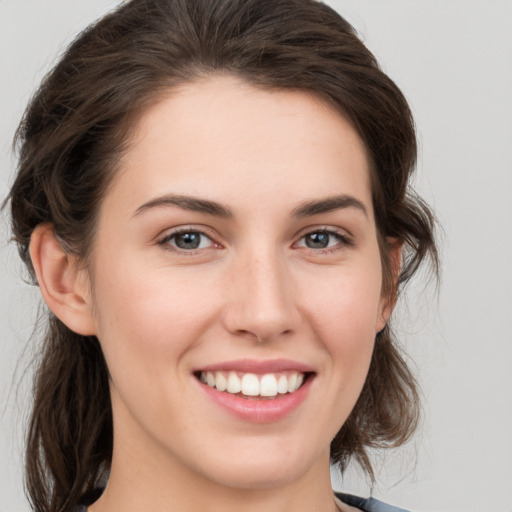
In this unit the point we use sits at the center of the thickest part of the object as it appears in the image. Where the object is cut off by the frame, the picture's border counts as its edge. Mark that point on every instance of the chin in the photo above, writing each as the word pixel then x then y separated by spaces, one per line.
pixel 248 477
pixel 262 469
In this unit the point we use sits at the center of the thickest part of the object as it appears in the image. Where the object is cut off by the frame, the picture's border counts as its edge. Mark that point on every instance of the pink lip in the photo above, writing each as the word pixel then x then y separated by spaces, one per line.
pixel 259 410
pixel 259 367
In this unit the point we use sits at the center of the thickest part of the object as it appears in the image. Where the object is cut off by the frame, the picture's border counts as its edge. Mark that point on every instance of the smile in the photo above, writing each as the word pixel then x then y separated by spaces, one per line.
pixel 257 391
pixel 252 385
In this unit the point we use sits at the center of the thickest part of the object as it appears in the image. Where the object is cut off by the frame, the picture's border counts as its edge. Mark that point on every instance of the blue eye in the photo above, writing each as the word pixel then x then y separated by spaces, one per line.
pixel 322 240
pixel 187 240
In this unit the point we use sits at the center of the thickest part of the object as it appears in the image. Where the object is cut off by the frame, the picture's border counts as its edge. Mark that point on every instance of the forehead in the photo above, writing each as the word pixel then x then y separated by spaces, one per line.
pixel 224 139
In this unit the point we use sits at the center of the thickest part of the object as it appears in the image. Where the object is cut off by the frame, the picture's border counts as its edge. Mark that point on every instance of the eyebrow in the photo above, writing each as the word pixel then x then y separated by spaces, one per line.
pixel 193 204
pixel 329 204
pixel 305 209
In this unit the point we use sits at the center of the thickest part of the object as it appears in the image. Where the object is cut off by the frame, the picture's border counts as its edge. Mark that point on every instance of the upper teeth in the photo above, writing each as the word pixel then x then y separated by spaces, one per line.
pixel 251 384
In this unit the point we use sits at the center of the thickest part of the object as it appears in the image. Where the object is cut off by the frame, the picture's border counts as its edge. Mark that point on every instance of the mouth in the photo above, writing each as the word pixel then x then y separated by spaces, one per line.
pixel 257 391
pixel 254 386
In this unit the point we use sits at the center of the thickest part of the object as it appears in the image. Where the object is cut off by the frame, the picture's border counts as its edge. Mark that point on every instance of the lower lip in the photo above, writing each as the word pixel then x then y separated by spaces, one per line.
pixel 259 411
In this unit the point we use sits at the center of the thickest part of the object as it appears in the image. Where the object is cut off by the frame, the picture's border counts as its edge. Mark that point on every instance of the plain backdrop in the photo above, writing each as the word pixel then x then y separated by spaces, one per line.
pixel 453 60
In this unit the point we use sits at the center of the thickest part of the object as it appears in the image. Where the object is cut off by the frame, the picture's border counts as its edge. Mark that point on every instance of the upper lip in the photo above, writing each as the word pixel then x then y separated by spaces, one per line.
pixel 258 366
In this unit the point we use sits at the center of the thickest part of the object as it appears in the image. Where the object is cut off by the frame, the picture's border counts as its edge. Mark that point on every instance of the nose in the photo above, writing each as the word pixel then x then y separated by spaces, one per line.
pixel 261 304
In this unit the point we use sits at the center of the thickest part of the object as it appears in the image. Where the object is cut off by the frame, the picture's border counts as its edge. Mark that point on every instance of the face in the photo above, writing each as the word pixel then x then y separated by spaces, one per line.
pixel 236 285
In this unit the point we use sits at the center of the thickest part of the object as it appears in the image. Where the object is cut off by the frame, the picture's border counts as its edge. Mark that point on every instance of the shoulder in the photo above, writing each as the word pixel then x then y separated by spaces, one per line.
pixel 367 504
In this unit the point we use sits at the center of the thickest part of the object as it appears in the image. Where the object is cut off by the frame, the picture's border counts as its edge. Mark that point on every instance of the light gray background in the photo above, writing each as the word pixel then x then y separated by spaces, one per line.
pixel 453 60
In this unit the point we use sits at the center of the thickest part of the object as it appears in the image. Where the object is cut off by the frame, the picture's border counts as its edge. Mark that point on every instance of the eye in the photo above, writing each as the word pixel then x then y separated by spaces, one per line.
pixel 323 239
pixel 187 240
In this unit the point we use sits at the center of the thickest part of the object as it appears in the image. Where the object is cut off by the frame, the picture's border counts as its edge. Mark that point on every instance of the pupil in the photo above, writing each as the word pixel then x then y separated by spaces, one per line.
pixel 317 240
pixel 188 240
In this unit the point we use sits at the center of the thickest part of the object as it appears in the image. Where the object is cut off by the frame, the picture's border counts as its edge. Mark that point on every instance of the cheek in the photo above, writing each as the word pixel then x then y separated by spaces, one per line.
pixel 147 321
pixel 344 313
pixel 148 329
pixel 348 302
pixel 348 331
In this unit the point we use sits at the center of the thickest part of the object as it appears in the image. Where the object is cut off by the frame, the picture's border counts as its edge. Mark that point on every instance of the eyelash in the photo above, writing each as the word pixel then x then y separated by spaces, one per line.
pixel 343 240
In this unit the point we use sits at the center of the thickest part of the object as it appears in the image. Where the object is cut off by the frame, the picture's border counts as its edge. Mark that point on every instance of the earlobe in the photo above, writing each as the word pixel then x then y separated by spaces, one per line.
pixel 64 287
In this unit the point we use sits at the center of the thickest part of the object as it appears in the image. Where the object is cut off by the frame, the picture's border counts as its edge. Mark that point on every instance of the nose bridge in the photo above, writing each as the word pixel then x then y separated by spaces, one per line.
pixel 262 303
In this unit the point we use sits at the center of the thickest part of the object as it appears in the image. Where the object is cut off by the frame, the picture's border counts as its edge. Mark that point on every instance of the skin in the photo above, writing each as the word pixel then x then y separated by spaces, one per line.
pixel 254 289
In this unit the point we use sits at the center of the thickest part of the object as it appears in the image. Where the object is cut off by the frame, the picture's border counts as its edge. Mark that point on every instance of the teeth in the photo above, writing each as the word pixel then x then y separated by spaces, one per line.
pixel 234 385
pixel 292 383
pixel 250 384
pixel 268 385
pixel 221 382
pixel 282 385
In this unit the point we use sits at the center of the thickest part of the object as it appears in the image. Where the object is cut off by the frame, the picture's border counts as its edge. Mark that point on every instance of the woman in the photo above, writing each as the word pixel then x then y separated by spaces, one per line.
pixel 213 198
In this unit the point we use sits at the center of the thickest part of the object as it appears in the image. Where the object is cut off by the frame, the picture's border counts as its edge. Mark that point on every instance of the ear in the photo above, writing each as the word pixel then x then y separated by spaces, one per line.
pixel 65 287
pixel 388 300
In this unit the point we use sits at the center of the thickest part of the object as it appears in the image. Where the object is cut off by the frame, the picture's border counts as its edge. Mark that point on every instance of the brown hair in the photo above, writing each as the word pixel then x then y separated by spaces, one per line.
pixel 76 127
